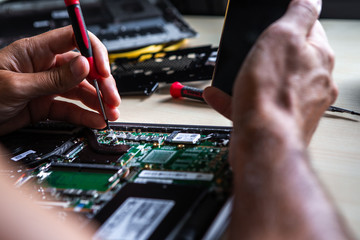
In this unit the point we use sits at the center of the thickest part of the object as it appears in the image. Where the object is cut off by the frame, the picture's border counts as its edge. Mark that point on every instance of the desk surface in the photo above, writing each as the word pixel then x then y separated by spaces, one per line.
pixel 335 148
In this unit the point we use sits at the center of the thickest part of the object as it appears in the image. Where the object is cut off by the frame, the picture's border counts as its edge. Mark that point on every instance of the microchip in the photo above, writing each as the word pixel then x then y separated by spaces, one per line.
pixel 187 138
pixel 159 156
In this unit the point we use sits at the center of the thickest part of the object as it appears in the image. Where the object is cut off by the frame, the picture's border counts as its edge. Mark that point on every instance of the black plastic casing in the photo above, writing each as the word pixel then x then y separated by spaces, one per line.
pixel 245 20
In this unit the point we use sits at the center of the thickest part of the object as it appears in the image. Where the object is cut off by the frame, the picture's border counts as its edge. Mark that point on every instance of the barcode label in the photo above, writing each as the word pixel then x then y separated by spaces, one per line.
pixel 135 219
pixel 153 180
pixel 191 176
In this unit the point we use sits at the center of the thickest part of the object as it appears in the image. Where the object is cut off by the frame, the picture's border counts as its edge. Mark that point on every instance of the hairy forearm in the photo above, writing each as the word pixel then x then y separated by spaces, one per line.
pixel 277 195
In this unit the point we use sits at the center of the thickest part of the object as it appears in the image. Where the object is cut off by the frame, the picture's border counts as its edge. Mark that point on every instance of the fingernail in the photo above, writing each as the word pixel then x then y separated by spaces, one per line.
pixel 117 112
pixel 116 92
pixel 108 67
pixel 115 109
pixel 77 67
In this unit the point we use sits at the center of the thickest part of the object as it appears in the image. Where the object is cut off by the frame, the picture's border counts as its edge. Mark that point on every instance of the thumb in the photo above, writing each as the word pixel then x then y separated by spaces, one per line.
pixel 302 15
pixel 218 100
pixel 60 79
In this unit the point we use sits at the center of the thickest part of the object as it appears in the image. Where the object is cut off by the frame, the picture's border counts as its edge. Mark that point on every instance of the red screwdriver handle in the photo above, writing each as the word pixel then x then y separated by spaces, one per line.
pixel 81 35
pixel 178 90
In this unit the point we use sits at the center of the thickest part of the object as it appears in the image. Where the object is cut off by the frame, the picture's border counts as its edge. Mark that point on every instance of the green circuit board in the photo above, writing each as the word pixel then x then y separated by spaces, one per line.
pixel 83 170
pixel 77 180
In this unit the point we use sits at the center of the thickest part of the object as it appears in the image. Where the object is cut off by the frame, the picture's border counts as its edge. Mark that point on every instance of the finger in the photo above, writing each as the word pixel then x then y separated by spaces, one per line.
pixel 110 92
pixel 318 36
pixel 319 39
pixel 64 58
pixel 86 93
pixel 317 33
pixel 302 14
pixel 100 55
pixel 218 100
pixel 54 81
pixel 64 111
pixel 58 41
pixel 44 47
pixel 62 40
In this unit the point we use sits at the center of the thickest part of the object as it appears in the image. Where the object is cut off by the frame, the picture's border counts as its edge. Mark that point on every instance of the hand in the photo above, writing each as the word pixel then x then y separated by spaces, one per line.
pixel 286 76
pixel 280 93
pixel 35 70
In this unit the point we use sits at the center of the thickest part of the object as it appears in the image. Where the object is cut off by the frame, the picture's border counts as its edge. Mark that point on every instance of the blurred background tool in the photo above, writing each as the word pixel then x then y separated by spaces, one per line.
pixel 177 90
pixel 84 45
pixel 142 74
pixel 122 25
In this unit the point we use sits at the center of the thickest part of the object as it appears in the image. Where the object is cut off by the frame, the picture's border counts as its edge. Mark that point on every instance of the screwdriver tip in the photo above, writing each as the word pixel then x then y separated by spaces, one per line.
pixel 107 124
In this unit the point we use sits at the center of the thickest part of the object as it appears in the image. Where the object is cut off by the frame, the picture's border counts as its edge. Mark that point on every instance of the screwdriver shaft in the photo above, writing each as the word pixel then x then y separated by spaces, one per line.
pixel 101 103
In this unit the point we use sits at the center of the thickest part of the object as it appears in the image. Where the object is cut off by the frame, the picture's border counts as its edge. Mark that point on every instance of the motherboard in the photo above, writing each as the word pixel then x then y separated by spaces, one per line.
pixel 142 181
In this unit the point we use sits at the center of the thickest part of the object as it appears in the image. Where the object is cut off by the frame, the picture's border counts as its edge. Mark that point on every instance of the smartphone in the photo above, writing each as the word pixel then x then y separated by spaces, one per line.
pixel 245 20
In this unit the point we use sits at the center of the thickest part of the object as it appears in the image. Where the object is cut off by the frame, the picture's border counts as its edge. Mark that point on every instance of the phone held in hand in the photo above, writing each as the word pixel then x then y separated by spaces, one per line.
pixel 245 20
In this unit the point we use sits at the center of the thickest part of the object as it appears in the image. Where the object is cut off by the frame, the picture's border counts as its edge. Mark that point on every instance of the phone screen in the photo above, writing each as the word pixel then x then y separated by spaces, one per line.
pixel 245 20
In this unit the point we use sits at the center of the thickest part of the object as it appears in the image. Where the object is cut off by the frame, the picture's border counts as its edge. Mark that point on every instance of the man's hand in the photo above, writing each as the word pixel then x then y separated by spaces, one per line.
pixel 35 70
pixel 281 92
pixel 287 74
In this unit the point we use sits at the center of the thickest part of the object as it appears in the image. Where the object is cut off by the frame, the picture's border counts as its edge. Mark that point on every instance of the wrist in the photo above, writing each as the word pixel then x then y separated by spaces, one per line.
pixel 267 118
pixel 267 135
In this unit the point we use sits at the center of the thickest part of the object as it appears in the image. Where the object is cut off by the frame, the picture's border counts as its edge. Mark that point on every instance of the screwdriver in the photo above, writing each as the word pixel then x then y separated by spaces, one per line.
pixel 342 110
pixel 178 90
pixel 84 45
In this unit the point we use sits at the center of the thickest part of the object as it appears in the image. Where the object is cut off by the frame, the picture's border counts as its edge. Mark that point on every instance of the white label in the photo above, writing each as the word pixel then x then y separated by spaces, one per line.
pixel 186 138
pixel 153 180
pixel 135 219
pixel 177 175
pixel 22 155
